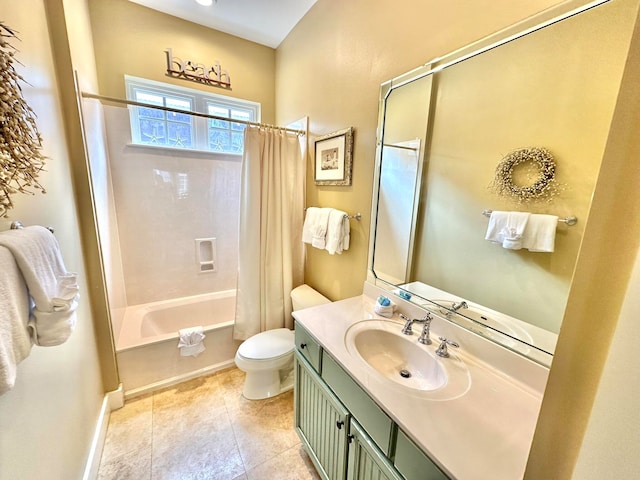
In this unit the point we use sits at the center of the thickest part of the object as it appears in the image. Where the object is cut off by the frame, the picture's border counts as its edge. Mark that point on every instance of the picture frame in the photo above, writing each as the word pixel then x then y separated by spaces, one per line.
pixel 334 158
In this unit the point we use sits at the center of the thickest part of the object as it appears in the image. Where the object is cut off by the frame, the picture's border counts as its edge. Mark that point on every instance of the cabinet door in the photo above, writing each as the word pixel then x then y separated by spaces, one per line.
pixel 366 461
pixel 413 463
pixel 321 422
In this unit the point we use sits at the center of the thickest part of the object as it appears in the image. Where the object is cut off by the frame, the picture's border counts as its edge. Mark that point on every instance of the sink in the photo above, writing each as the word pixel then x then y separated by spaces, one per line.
pixel 501 328
pixel 399 359
pixel 395 360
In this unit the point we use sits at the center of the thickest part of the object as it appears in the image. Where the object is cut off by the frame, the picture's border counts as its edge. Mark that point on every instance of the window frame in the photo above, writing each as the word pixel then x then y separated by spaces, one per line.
pixel 200 102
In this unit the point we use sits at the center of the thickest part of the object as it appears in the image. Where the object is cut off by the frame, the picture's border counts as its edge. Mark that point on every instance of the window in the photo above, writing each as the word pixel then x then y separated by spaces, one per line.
pixel 153 127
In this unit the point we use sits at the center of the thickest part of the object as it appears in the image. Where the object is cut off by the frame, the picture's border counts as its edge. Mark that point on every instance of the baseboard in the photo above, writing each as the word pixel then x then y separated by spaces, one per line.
pixel 152 387
pixel 111 401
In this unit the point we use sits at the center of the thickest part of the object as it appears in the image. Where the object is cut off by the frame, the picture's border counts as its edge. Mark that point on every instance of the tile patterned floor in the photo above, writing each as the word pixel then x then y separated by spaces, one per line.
pixel 205 429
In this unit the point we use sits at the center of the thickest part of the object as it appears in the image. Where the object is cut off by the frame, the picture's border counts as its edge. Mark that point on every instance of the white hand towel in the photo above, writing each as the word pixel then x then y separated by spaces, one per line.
pixel 310 217
pixel 507 228
pixel 54 290
pixel 319 228
pixel 540 234
pixel 15 343
pixel 338 229
pixel 191 341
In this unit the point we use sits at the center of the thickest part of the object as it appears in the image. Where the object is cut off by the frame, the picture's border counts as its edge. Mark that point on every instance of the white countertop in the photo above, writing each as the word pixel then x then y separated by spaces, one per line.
pixel 484 433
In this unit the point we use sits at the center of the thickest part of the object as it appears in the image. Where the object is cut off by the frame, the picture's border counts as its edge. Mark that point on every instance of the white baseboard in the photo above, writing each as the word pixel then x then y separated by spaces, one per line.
pixel 152 387
pixel 112 401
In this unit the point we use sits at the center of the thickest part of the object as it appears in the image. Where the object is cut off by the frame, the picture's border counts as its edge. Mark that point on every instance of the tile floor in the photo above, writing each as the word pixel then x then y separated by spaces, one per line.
pixel 205 429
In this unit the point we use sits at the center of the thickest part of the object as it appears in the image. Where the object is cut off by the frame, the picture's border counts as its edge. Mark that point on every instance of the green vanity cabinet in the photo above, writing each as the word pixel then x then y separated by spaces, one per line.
pixel 413 463
pixel 321 421
pixel 308 348
pixel 369 415
pixel 366 462
pixel 347 435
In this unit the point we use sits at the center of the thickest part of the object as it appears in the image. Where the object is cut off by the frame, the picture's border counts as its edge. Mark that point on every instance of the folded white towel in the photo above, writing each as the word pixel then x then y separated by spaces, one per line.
pixel 338 232
pixel 507 228
pixel 314 229
pixel 191 341
pixel 54 291
pixel 540 234
pixel 15 343
pixel 310 217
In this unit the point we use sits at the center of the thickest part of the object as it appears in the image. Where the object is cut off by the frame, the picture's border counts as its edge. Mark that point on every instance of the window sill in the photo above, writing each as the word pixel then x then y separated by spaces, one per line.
pixel 191 151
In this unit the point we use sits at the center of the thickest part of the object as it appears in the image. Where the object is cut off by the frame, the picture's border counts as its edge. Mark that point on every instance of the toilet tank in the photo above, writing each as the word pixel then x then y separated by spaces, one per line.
pixel 304 297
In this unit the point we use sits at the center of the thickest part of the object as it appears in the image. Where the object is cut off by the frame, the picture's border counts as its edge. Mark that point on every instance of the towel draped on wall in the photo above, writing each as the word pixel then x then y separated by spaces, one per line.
pixel 38 295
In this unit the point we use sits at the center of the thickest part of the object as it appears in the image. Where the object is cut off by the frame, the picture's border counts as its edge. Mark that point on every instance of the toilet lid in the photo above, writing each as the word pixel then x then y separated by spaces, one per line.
pixel 269 344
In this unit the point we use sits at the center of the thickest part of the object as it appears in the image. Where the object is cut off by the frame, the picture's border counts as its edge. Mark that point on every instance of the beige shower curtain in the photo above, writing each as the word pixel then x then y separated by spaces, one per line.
pixel 271 258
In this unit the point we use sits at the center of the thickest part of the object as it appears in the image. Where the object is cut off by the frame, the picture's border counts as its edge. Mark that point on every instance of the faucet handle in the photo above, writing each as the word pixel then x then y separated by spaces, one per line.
pixel 442 349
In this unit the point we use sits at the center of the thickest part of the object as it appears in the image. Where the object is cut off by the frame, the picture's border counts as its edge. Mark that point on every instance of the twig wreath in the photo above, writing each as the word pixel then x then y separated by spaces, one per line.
pixel 20 142
pixel 544 186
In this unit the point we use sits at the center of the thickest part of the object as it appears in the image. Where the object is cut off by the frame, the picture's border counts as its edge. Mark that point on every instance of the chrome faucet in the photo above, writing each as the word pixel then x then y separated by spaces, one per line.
pixel 442 349
pixel 407 330
pixel 457 306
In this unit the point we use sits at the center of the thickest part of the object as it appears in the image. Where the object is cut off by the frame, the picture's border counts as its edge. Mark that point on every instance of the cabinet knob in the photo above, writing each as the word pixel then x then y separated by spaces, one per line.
pixel 303 346
pixel 350 438
pixel 339 424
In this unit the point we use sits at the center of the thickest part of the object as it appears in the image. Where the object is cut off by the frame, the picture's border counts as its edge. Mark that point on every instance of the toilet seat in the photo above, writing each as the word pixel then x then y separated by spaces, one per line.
pixel 269 345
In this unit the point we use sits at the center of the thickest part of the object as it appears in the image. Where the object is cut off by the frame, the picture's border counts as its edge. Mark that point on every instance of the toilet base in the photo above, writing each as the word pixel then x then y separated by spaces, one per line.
pixel 266 384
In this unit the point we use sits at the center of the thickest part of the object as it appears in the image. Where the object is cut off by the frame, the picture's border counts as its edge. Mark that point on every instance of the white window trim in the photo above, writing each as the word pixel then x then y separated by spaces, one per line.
pixel 200 101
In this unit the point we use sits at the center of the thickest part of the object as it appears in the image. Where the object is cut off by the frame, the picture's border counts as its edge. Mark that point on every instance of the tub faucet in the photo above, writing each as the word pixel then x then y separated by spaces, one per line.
pixel 457 306
pixel 407 330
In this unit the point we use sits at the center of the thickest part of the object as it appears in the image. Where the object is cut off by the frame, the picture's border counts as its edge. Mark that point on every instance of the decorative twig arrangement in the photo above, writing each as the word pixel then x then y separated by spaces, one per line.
pixel 543 184
pixel 20 142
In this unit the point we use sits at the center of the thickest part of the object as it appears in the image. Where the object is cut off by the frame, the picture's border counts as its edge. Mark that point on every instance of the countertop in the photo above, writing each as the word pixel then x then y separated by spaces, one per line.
pixel 483 432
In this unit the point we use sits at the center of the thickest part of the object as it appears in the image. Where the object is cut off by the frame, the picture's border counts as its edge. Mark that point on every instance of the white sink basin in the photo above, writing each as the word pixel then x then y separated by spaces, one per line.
pixel 400 360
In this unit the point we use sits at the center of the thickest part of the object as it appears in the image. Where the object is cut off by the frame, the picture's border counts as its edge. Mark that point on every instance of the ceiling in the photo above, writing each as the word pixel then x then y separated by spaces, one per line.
pixel 266 22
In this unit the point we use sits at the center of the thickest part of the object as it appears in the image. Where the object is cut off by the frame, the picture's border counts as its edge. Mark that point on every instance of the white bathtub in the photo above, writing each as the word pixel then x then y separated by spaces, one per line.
pixel 147 346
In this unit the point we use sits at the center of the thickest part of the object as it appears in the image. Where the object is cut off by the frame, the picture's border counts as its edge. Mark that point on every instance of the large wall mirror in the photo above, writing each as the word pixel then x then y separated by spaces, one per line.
pixel 551 82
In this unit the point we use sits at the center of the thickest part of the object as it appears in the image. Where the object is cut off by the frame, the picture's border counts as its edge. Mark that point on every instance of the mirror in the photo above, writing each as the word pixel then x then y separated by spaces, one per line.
pixel 444 127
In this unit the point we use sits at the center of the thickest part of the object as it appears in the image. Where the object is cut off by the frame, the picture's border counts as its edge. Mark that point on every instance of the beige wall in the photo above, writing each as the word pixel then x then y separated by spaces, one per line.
pixel 47 421
pixel 131 39
pixel 611 444
pixel 330 68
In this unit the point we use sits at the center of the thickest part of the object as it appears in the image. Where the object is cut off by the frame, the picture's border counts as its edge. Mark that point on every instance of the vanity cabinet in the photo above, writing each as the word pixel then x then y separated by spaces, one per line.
pixel 346 433
pixel 366 462
pixel 321 421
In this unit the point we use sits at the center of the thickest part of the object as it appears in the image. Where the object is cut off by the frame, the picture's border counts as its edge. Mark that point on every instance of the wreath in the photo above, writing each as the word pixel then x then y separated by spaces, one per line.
pixel 542 186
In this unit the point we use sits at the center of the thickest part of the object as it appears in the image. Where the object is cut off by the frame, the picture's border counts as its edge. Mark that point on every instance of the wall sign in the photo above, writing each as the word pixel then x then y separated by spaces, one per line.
pixel 197 72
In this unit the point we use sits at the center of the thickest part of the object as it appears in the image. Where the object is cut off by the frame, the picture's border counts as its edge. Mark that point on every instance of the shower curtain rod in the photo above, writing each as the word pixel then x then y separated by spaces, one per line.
pixel 195 114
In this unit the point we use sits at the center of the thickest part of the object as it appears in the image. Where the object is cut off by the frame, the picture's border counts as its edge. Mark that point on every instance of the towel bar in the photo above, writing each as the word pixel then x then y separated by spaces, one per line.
pixel 570 221
pixel 17 225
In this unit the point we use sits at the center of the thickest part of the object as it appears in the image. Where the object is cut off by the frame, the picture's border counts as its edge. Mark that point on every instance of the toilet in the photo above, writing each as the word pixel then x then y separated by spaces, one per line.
pixel 267 357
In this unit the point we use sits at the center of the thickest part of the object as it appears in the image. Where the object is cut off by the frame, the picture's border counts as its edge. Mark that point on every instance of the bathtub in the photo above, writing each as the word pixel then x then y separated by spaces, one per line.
pixel 147 345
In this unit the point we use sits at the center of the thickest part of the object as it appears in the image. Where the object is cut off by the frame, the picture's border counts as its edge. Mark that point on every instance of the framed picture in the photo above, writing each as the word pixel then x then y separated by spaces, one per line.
pixel 334 158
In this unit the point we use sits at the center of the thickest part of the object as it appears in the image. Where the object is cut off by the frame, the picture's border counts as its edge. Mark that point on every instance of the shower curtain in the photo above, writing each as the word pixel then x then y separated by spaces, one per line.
pixel 271 259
